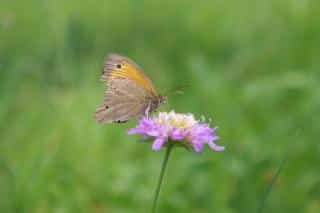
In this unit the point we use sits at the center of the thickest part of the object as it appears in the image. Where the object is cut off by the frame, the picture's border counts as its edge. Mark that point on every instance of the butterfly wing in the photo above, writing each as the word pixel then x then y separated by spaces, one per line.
pixel 118 66
pixel 128 93
pixel 123 100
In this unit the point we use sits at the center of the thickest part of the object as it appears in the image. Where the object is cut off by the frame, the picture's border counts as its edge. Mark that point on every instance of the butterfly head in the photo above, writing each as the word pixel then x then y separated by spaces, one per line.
pixel 156 102
pixel 163 99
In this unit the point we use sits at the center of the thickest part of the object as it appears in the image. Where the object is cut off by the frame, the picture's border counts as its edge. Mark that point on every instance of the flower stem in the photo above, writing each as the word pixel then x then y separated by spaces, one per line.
pixel 163 168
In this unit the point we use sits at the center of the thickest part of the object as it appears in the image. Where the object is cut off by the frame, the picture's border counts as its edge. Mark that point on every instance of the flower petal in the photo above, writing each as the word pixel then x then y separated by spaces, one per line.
pixel 158 143
pixel 198 147
pixel 133 131
pixel 215 146
pixel 177 134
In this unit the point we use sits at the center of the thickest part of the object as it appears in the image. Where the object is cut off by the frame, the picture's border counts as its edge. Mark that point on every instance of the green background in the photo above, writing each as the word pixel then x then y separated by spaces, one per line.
pixel 252 66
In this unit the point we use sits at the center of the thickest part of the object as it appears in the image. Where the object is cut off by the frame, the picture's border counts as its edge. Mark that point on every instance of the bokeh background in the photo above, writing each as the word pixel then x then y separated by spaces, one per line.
pixel 252 66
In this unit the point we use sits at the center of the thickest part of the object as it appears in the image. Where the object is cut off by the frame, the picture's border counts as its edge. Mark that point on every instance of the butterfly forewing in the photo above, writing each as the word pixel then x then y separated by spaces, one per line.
pixel 118 66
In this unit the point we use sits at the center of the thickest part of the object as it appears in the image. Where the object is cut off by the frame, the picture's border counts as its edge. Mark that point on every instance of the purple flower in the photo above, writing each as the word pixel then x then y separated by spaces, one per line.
pixel 177 128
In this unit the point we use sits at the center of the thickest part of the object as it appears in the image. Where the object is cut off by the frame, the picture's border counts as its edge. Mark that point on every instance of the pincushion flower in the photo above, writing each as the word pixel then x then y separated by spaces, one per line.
pixel 177 128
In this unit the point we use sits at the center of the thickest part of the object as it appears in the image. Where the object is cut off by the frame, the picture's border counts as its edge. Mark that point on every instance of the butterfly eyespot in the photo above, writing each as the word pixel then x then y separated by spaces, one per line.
pixel 119 121
pixel 119 66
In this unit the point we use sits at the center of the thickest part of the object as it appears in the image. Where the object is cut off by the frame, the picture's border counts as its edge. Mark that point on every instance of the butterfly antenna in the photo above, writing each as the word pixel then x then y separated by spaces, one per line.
pixel 179 90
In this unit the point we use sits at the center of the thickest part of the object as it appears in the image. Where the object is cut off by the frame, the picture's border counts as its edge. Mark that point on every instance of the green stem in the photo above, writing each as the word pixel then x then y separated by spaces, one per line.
pixel 163 168
pixel 270 187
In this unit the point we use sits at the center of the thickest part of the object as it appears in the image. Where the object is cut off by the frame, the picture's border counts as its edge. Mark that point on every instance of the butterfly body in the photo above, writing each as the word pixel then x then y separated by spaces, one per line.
pixel 130 93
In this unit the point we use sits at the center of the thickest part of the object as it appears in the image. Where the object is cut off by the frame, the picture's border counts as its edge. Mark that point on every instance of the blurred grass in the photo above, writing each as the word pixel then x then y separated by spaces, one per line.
pixel 253 67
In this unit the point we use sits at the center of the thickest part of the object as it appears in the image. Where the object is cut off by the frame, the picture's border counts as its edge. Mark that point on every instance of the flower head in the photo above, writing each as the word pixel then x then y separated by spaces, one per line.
pixel 177 128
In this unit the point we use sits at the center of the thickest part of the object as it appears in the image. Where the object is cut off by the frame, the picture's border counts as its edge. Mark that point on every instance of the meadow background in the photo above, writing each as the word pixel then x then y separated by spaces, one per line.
pixel 252 66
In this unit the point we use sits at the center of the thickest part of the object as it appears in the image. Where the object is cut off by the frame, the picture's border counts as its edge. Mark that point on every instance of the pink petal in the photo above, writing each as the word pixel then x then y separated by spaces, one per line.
pixel 215 147
pixel 198 147
pixel 158 143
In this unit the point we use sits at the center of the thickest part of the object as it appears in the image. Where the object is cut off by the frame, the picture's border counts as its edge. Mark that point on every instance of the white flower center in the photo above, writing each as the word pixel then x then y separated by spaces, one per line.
pixel 176 120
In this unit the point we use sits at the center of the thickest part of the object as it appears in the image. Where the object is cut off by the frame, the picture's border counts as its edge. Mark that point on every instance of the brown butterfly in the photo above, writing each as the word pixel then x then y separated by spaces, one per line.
pixel 130 93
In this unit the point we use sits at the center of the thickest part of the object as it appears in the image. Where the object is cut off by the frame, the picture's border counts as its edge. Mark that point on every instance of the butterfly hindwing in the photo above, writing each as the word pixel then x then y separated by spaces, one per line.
pixel 121 105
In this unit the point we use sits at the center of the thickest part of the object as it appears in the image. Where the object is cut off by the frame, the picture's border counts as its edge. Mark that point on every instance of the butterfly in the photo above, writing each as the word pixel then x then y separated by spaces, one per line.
pixel 130 93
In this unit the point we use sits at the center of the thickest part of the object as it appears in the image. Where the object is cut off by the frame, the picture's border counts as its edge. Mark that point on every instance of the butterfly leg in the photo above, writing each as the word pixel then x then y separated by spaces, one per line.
pixel 147 109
